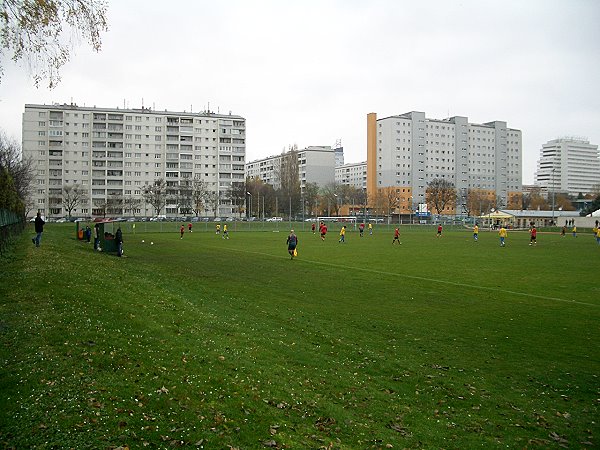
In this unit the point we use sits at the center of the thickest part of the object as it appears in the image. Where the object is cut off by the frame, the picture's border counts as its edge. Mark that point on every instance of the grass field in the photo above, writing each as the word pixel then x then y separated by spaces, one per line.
pixel 209 343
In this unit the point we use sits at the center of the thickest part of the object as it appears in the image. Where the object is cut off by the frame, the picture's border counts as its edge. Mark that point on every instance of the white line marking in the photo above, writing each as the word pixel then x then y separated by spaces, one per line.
pixel 415 277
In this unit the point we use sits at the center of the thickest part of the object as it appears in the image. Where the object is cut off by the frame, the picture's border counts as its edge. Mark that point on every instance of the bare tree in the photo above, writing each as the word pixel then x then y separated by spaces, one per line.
pixel 237 195
pixel 392 200
pixel 33 30
pixel 330 197
pixel 289 179
pixel 440 193
pixel 132 204
pixel 213 199
pixel 156 195
pixel 198 196
pixel 478 202
pixel 115 204
pixel 311 193
pixel 72 196
pixel 19 168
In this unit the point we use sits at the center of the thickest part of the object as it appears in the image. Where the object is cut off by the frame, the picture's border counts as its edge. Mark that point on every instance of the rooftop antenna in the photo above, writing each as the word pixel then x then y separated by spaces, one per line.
pixel 142 102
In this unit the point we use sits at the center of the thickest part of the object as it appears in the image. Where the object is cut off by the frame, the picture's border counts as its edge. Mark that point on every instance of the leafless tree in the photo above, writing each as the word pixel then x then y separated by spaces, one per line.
pixel 20 168
pixel 440 193
pixel 132 204
pixel 199 193
pixel 33 30
pixel 72 196
pixel 156 195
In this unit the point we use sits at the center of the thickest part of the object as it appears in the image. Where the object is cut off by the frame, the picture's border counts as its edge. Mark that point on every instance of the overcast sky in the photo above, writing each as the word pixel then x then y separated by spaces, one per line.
pixel 308 72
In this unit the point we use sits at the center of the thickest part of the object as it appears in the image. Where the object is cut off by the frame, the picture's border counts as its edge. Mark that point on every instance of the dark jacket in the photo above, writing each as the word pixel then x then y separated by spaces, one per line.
pixel 39 224
pixel 119 236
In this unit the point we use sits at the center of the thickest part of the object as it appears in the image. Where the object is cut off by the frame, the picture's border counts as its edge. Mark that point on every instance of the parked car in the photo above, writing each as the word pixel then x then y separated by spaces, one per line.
pixel 275 219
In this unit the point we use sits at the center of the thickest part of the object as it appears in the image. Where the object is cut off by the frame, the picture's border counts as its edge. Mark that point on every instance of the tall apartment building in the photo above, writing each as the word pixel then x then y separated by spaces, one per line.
pixel 316 165
pixel 352 174
pixel 408 151
pixel 568 165
pixel 116 152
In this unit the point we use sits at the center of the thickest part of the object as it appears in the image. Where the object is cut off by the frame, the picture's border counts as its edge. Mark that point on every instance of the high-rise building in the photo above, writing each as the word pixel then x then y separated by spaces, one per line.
pixel 568 165
pixel 408 151
pixel 112 154
pixel 316 164
pixel 352 174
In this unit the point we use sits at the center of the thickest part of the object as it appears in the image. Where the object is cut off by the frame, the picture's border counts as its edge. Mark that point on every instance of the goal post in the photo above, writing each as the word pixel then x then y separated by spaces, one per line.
pixel 339 219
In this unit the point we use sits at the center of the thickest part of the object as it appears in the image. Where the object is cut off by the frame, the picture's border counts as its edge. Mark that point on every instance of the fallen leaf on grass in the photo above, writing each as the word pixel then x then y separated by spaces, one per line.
pixel 270 443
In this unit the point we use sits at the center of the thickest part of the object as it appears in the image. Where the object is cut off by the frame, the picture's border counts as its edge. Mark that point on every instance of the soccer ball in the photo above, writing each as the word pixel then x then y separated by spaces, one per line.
pixel 142 241
pixel 99 249
pixel 151 243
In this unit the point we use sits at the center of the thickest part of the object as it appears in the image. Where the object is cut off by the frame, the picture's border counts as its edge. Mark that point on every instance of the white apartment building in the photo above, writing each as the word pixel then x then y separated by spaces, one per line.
pixel 316 165
pixel 116 152
pixel 352 174
pixel 568 165
pixel 409 150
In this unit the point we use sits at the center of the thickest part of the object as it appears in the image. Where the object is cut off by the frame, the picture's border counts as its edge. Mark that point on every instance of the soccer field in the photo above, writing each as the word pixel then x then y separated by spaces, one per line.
pixel 205 342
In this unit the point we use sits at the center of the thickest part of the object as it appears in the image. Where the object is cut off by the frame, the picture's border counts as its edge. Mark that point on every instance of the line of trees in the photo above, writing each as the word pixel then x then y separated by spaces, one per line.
pixel 16 177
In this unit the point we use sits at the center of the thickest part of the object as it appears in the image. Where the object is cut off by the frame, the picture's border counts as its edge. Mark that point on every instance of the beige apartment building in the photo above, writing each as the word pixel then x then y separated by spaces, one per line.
pixel 112 153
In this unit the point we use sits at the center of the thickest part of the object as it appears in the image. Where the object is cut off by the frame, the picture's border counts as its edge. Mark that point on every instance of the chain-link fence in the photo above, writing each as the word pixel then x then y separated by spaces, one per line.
pixel 11 225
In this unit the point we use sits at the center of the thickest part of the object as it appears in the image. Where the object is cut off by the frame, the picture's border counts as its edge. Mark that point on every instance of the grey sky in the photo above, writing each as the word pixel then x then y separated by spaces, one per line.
pixel 308 72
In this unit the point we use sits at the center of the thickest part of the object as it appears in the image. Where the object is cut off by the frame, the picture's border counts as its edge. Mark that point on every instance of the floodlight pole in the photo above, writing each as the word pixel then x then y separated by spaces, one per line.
pixel 553 191
pixel 250 209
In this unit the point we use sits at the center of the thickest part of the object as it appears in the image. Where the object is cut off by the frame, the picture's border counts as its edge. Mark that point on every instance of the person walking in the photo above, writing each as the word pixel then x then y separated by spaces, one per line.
pixel 88 233
pixel 323 231
pixel 370 228
pixel 225 232
pixel 575 231
pixel 396 236
pixel 181 231
pixel 119 241
pixel 39 229
pixel 439 230
pixel 292 243
pixel 502 234
pixel 343 235
pixel 313 227
pixel 476 232
pixel 190 227
pixel 361 229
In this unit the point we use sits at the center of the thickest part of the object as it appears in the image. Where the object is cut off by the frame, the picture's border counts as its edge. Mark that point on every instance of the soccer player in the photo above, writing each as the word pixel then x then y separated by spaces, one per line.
pixel 190 227
pixel 370 228
pixel 292 243
pixel 323 231
pixel 218 228
pixel 563 231
pixel 343 234
pixel 502 234
pixel 598 236
pixel 361 229
pixel 439 230
pixel 396 236
pixel 533 235
pixel 225 232
pixel 181 230
pixel 476 232
pixel 574 230
pixel 312 227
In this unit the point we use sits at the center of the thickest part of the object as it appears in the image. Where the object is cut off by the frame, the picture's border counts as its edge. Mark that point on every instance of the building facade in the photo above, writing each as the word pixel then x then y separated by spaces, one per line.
pixel 568 165
pixel 408 151
pixel 352 174
pixel 316 164
pixel 115 153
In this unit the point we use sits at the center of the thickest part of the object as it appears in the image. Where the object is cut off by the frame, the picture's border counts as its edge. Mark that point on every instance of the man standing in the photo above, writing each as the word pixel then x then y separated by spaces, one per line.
pixel 343 234
pixel 323 230
pixel 533 234
pixel 119 241
pixel 476 232
pixel 97 237
pixel 39 229
pixel 181 231
pixel 439 230
pixel 370 228
pixel 361 229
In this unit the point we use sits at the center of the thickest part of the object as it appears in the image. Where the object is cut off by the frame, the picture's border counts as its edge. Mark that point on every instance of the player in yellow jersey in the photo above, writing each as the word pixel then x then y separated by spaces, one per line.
pixel 343 234
pixel 502 234
pixel 476 232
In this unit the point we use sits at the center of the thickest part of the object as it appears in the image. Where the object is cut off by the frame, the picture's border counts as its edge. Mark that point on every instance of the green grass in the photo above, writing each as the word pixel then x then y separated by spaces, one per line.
pixel 203 342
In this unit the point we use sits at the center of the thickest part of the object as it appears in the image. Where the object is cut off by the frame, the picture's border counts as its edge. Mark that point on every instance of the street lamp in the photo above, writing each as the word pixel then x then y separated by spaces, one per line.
pixel 250 209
